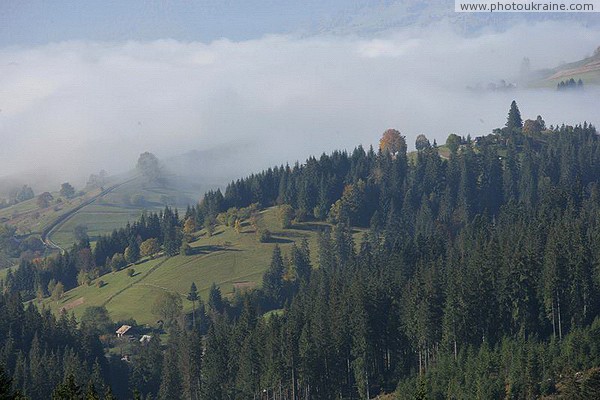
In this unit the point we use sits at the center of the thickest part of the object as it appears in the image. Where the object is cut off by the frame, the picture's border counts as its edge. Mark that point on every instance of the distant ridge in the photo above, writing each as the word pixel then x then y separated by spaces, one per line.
pixel 587 69
pixel 578 68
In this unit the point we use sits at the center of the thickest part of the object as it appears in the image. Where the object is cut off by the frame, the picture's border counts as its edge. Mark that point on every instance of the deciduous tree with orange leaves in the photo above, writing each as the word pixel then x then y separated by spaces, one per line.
pixel 392 142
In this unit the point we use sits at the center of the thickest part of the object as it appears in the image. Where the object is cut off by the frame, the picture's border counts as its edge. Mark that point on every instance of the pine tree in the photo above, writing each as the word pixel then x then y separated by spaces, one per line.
pixel 193 297
pixel 273 278
pixel 171 385
pixel 248 373
pixel 68 390
pixel 90 392
pixel 6 387
pixel 190 356
pixel 215 300
pixel 514 123
pixel 326 257
pixel 147 368
pixel 301 264
pixel 215 362
pixel 108 395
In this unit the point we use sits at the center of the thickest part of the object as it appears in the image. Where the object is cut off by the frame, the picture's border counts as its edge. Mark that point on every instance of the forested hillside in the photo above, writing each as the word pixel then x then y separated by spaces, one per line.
pixel 478 277
pixel 41 355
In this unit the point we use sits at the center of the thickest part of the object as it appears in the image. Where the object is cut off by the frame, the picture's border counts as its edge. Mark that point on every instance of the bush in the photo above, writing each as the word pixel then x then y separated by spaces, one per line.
pixel 185 249
pixel 130 272
pixel 100 283
pixel 118 262
pixel 264 235
pixel 149 247
pixel 301 215
pixel 285 213
pixel 210 228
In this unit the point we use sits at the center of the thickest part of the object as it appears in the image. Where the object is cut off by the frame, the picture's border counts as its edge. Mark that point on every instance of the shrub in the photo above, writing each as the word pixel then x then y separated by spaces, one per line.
pixel 285 213
pixel 264 235
pixel 185 249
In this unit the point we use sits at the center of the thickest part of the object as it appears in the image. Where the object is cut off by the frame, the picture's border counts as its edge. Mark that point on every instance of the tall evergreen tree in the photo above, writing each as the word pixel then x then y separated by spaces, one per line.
pixel 514 122
pixel 193 297
pixel 273 278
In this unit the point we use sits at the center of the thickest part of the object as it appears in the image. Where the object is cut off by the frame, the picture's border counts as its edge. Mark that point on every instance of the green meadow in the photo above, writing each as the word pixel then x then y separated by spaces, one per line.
pixel 232 260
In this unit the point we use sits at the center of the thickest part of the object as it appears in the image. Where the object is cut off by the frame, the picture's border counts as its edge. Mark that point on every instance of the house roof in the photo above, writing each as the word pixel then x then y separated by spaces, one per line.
pixel 123 329
pixel 145 338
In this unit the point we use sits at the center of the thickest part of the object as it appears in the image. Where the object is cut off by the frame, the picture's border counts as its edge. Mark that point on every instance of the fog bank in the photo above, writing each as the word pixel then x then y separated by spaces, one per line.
pixel 73 108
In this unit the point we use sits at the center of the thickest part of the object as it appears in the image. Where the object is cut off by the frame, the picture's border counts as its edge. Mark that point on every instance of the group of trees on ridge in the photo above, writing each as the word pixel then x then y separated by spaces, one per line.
pixel 479 277
pixel 25 193
pixel 569 84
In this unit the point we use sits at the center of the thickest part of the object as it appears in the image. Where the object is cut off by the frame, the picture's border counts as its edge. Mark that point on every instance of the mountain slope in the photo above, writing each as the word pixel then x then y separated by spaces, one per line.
pixel 125 204
pixel 231 260
pixel 588 70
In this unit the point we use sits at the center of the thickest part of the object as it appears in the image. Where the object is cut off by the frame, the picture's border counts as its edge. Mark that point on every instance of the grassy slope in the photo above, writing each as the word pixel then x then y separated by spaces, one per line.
pixel 114 211
pixel 575 70
pixel 30 219
pixel 588 78
pixel 225 258
pixel 104 215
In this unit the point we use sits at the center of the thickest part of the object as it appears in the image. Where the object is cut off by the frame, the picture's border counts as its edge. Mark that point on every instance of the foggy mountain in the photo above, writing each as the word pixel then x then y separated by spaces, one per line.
pixel 235 106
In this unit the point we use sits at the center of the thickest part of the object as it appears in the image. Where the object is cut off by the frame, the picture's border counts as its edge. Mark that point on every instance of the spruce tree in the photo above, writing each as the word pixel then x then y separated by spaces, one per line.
pixel 273 278
pixel 193 297
pixel 68 390
pixel 171 386
pixel 5 386
pixel 215 300
pixel 215 362
pixel 514 123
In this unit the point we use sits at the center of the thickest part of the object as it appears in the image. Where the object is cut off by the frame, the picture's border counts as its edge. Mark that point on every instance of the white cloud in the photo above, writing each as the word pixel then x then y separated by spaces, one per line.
pixel 76 107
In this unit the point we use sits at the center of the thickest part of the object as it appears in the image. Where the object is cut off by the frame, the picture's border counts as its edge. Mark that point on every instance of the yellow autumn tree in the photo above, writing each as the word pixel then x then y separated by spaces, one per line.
pixel 149 247
pixel 189 226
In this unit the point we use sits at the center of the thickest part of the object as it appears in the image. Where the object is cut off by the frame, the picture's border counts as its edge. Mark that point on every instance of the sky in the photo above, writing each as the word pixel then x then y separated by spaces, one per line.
pixel 240 86
pixel 26 22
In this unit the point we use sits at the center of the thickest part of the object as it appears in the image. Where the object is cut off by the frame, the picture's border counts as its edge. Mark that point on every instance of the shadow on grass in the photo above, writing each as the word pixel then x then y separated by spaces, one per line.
pixel 279 240
pixel 208 249
pixel 310 226
pixel 290 234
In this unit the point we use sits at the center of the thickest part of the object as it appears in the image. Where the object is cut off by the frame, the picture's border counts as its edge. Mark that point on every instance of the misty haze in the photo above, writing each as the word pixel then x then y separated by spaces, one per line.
pixel 98 105
pixel 298 200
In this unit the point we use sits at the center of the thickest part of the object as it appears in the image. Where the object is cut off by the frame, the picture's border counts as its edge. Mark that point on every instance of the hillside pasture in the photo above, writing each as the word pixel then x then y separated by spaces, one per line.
pixel 228 258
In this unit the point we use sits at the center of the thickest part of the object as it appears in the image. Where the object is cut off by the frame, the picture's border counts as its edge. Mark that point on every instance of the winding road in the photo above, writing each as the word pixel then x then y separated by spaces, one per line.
pixel 64 217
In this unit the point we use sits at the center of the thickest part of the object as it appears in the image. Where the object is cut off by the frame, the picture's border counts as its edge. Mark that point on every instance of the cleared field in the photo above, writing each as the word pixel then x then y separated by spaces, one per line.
pixel 122 205
pixel 228 258
pixel 29 218
pixel 97 222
